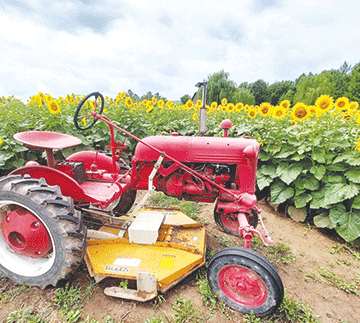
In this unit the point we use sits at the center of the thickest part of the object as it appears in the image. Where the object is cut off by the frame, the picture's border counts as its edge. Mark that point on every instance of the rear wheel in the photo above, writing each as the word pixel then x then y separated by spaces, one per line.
pixel 42 239
pixel 245 281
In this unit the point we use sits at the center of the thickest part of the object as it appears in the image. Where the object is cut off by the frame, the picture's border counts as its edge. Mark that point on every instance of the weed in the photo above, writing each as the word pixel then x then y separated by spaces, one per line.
pixel 89 289
pixel 281 252
pixel 109 319
pixel 154 320
pixel 124 284
pixel 89 320
pixel 2 278
pixel 251 318
pixel 295 312
pixel 335 249
pixel 8 296
pixel 338 282
pixel 158 300
pixel 68 301
pixel 227 242
pixel 191 209
pixel 28 316
pixel 185 312
pixel 206 294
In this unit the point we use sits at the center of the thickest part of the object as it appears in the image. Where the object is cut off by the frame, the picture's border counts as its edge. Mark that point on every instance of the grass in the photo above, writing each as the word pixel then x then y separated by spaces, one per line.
pixel 185 311
pixel 27 316
pixel 191 209
pixel 10 294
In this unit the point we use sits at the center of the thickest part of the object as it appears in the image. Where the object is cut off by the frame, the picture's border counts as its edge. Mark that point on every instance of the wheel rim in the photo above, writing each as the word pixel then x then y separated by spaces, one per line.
pixel 26 247
pixel 230 221
pixel 242 286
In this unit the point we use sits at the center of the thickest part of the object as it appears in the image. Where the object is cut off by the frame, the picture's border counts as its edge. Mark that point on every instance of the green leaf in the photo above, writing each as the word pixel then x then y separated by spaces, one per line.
pixel 323 221
pixel 302 200
pixel 318 171
pixel 354 161
pixel 347 224
pixel 263 181
pixel 310 183
pixel 318 200
pixel 280 192
pixel 285 152
pixel 344 156
pixel 356 202
pixel 353 175
pixel 269 170
pixel 288 173
pixel 339 192
pixel 319 156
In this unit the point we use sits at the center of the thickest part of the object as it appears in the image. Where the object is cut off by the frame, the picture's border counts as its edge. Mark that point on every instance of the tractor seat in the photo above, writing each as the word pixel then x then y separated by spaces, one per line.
pixel 47 139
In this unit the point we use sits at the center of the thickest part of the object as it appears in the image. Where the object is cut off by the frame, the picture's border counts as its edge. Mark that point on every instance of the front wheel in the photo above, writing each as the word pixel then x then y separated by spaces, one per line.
pixel 245 281
pixel 42 239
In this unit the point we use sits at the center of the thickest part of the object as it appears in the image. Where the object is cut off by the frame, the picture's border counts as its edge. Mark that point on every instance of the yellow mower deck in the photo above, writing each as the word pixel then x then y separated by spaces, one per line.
pixel 179 249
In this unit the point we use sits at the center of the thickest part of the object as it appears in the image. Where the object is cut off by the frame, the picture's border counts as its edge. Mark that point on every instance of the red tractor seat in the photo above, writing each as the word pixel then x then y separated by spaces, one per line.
pixel 47 139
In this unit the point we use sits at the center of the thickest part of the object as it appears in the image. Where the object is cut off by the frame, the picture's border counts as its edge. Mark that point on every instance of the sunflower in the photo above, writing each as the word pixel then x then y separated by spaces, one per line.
pixel 346 116
pixel 194 117
pixel 314 110
pixel 293 122
pixel 279 112
pixel 53 107
pixel 342 104
pixel 224 101
pixel 213 106
pixel 324 103
pixel 1 141
pixel 198 103
pixel 154 100
pixel 128 102
pixel 189 104
pixel 239 106
pixel 246 107
pixel 300 111
pixel 252 113
pixel 161 103
pixel 285 104
pixel 230 107
pixel 132 110
pixel 265 109
pixel 122 95
pixel 353 106
pixel 150 108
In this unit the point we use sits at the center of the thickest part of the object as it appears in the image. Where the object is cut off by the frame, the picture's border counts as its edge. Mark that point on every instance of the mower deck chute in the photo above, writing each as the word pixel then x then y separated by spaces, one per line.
pixel 178 250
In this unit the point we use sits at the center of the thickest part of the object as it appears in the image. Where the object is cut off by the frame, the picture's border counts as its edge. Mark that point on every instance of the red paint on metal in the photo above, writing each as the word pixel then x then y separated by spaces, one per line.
pixel 25 233
pixel 242 286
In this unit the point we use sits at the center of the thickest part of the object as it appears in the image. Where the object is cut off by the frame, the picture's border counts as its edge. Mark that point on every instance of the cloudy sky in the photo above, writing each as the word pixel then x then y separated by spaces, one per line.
pixel 80 46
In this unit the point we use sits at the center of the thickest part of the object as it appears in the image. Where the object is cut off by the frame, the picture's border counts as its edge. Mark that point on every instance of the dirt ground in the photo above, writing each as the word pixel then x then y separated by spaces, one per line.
pixel 301 277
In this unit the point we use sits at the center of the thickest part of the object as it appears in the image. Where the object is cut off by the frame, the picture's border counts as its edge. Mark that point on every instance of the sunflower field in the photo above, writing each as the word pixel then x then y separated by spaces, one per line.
pixel 310 155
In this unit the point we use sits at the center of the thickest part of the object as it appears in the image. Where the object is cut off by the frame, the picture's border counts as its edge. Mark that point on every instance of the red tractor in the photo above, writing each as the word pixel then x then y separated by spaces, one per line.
pixel 43 238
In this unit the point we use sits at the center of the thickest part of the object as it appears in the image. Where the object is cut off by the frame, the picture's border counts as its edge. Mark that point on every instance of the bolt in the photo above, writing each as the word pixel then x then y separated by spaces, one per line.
pixel 8 218
pixel 36 224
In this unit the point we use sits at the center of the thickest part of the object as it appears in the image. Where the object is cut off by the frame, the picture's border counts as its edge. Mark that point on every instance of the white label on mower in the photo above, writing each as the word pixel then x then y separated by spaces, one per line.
pixel 130 262
pixel 117 269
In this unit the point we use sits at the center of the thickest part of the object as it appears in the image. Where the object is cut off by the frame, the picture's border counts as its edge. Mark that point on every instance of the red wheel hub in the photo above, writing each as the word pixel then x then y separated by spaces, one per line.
pixel 230 221
pixel 25 234
pixel 242 286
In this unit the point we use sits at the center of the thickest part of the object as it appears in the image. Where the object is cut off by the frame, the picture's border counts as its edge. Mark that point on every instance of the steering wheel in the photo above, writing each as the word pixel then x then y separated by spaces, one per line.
pixel 83 119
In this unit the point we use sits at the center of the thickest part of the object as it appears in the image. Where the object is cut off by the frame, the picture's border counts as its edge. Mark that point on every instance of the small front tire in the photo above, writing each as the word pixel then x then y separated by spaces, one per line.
pixel 245 281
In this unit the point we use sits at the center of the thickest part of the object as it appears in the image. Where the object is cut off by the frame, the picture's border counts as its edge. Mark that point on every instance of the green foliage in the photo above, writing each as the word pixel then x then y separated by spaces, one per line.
pixel 219 86
pixel 185 311
pixel 26 316
pixel 259 90
pixel 68 300
pixel 154 320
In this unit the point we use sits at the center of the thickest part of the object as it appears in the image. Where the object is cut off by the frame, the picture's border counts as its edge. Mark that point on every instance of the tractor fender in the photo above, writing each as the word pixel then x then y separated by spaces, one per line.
pixel 68 186
pixel 89 157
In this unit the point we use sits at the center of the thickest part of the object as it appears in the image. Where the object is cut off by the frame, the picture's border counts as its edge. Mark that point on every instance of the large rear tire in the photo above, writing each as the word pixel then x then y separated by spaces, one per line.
pixel 245 281
pixel 42 239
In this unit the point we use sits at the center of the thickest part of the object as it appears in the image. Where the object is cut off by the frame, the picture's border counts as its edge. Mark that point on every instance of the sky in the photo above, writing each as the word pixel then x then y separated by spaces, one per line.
pixel 81 46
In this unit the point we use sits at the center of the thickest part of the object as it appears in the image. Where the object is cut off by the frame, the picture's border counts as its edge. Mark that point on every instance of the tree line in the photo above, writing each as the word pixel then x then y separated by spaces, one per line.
pixel 342 82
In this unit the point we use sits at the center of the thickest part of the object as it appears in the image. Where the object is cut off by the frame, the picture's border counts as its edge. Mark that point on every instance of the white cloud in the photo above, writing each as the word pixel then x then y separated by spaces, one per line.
pixel 75 46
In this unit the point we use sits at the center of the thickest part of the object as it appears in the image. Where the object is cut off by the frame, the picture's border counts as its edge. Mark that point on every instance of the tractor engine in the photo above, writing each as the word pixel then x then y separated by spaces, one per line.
pixel 229 162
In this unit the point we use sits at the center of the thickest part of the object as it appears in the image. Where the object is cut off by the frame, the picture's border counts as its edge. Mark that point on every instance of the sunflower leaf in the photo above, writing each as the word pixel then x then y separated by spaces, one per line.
pixel 319 156
pixel 353 175
pixel 318 171
pixel 263 181
pixel 280 192
pixel 288 173
pixel 356 202
pixel 347 224
pixel 302 200
pixel 339 192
